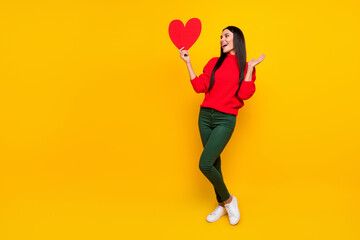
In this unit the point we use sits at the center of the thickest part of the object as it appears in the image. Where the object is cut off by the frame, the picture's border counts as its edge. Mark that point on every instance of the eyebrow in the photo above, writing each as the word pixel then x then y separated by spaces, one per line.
pixel 224 34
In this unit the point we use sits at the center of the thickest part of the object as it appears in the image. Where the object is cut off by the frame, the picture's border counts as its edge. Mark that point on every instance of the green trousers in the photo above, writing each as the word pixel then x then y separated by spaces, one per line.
pixel 216 129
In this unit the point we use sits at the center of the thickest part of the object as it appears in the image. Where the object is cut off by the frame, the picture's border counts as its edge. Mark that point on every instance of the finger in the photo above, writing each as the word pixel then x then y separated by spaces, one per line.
pixel 262 57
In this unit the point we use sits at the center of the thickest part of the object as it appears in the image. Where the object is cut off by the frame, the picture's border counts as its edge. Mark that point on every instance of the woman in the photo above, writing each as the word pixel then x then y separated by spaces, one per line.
pixel 225 88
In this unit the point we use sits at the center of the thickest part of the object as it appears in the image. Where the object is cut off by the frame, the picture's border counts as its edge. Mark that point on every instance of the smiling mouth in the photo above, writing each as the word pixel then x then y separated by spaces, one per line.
pixel 224 45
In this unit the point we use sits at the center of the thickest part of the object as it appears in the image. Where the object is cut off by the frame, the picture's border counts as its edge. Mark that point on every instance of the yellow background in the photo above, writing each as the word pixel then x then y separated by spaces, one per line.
pixel 99 135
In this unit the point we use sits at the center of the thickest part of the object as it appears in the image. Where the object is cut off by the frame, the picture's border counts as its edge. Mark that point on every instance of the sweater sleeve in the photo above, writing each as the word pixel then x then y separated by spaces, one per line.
pixel 201 83
pixel 247 88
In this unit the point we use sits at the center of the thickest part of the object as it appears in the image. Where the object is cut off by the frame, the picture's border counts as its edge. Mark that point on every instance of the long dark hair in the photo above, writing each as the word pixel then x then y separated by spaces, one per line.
pixel 240 52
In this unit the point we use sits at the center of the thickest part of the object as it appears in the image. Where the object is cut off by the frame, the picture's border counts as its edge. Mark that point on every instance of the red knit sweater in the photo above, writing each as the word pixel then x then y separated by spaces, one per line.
pixel 226 81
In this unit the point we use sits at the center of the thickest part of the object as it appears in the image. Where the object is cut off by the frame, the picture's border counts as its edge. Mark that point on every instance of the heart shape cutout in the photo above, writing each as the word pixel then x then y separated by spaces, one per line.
pixel 184 36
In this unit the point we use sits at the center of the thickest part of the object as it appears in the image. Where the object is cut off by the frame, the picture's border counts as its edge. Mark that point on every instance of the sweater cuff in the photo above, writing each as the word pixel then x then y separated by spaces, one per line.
pixel 251 81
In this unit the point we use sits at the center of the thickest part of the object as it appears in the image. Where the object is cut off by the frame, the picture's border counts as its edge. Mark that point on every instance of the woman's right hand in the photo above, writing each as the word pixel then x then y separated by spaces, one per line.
pixel 184 54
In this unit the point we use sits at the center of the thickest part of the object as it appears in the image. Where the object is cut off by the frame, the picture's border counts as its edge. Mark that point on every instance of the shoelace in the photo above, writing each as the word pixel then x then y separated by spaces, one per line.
pixel 230 210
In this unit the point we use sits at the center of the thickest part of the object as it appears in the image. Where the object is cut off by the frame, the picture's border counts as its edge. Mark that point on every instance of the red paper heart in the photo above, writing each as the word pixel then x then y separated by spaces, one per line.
pixel 184 36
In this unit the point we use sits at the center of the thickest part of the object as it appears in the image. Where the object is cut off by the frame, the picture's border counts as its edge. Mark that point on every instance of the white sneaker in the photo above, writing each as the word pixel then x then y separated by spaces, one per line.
pixel 233 211
pixel 216 214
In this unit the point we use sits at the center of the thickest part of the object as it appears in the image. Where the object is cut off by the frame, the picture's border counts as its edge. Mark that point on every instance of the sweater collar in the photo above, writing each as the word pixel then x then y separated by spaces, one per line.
pixel 230 55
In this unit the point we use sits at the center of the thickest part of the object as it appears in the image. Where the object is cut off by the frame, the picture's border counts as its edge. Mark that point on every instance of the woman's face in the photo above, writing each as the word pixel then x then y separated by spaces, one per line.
pixel 226 41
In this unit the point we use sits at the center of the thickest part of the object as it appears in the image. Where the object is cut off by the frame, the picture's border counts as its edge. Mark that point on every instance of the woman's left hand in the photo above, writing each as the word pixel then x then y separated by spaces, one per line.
pixel 253 62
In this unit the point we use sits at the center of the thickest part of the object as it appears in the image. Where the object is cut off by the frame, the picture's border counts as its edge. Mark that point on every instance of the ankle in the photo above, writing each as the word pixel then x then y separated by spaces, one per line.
pixel 228 200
